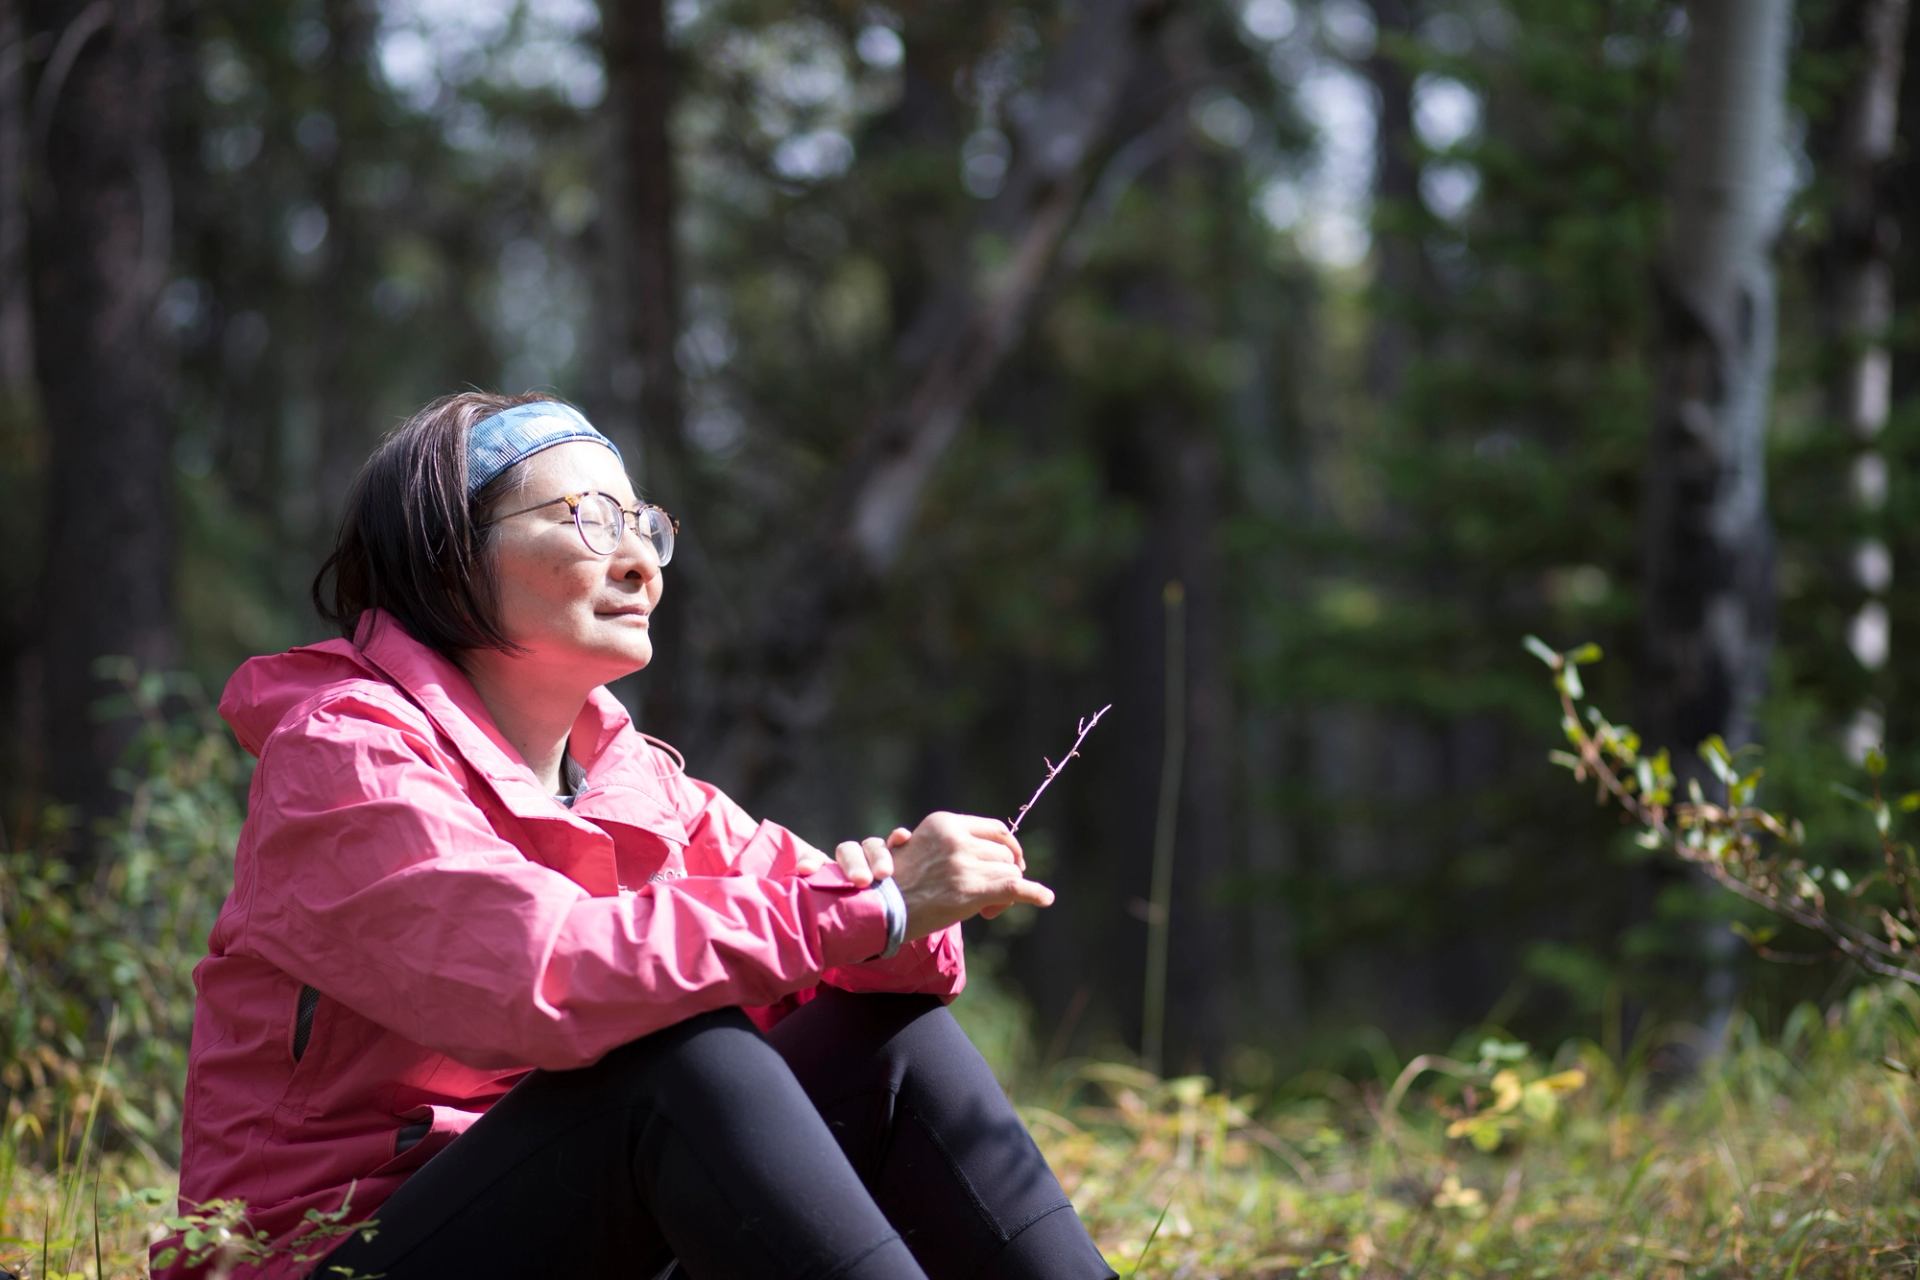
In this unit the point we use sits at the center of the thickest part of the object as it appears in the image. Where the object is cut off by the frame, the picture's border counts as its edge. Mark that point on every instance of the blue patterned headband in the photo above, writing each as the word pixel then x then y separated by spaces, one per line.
pixel 515 434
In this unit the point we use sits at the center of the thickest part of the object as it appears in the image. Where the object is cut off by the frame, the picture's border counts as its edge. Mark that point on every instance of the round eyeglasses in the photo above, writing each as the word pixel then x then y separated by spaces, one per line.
pixel 602 522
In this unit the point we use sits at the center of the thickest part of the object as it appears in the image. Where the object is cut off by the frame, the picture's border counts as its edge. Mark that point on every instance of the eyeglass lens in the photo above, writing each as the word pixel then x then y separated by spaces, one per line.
pixel 603 523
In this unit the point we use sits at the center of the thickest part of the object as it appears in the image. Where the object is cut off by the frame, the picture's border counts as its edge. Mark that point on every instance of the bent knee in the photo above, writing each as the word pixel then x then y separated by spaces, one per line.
pixel 711 1060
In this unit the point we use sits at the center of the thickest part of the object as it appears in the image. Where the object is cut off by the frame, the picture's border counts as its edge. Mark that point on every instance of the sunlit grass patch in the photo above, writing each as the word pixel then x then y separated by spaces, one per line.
pixel 1780 1161
pixel 91 1221
pixel 1790 1157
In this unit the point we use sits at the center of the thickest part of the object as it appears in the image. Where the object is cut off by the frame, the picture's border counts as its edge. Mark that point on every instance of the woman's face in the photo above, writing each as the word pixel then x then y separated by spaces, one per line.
pixel 566 606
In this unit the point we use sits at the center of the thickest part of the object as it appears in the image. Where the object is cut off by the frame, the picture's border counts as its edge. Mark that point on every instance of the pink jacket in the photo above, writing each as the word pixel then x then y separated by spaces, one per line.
pixel 462 926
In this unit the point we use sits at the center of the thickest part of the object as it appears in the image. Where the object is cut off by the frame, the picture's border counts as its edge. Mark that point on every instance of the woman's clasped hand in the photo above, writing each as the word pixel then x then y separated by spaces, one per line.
pixel 950 868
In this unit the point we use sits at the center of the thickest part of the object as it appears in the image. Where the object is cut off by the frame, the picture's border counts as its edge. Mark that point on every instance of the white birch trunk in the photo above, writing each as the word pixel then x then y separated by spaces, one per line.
pixel 1709 579
pixel 1707 542
pixel 1858 312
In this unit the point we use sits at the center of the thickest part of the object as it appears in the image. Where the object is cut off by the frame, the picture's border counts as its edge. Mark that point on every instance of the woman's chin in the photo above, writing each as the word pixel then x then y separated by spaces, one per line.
pixel 633 657
pixel 602 663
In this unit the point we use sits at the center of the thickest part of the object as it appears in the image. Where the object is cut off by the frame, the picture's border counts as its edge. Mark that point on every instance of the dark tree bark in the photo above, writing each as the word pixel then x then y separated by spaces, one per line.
pixel 1403 281
pixel 1194 496
pixel 16 318
pixel 342 389
pixel 99 228
pixel 922 134
pixel 17 396
pixel 647 391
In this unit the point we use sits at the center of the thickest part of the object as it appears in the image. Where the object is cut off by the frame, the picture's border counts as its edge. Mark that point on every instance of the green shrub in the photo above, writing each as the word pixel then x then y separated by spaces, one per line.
pixel 110 955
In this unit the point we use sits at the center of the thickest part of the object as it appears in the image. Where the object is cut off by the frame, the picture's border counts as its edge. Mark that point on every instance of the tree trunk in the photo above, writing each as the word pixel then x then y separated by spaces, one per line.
pixel 342 388
pixel 1707 542
pixel 1902 193
pixel 16 318
pixel 99 228
pixel 648 398
pixel 1856 284
pixel 1403 281
pixel 17 415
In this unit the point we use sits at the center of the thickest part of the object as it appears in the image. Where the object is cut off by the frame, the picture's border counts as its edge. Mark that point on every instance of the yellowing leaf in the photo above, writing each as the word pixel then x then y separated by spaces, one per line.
pixel 1566 1081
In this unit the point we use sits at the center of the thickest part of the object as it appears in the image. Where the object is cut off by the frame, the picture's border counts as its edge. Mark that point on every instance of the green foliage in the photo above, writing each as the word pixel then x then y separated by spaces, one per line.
pixel 1868 912
pixel 218 1235
pixel 79 955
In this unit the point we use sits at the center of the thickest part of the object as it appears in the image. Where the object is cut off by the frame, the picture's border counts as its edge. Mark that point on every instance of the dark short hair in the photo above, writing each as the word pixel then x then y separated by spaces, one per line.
pixel 412 542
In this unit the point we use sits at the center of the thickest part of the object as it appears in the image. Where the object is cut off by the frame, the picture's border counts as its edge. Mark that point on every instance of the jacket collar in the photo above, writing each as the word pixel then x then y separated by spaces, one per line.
pixel 441 690
pixel 602 738
pixel 620 788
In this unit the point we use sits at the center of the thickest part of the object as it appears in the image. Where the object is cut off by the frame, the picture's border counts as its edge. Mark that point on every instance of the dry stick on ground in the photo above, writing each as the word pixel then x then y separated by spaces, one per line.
pixel 1863 948
pixel 1053 770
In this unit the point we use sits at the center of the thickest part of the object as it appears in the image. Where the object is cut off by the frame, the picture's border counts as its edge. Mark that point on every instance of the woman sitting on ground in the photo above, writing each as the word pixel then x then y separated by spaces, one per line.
pixel 498 975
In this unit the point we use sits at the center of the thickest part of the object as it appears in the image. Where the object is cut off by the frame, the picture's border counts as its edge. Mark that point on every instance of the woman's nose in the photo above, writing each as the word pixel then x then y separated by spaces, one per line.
pixel 635 557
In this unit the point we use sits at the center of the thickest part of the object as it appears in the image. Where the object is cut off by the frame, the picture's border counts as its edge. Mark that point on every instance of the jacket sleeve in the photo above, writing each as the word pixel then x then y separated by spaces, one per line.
pixel 935 965
pixel 373 877
pixel 720 835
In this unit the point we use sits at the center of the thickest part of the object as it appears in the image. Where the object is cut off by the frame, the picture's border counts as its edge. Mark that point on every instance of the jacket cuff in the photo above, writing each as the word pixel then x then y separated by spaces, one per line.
pixel 853 927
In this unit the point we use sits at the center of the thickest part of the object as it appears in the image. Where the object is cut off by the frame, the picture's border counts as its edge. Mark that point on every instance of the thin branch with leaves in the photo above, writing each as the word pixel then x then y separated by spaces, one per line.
pixel 1751 852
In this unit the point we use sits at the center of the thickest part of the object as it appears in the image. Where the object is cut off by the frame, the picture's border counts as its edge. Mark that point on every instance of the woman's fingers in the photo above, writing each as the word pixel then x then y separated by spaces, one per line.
pixel 1032 892
pixel 808 860
pixel 997 831
pixel 853 860
pixel 864 861
pixel 1003 887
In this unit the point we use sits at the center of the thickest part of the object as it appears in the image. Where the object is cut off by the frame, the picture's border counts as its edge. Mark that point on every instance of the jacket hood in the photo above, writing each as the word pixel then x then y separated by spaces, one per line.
pixel 264 690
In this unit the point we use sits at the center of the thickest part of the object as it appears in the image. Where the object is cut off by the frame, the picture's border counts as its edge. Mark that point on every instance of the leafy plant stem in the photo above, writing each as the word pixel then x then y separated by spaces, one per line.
pixel 1871 953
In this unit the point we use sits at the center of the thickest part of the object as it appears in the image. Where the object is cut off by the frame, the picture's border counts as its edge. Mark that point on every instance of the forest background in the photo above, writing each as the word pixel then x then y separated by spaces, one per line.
pixel 1266 369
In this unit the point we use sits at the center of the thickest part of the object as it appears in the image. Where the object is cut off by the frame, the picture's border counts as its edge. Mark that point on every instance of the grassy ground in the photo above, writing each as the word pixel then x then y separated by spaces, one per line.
pixel 1794 1158
pixel 1790 1157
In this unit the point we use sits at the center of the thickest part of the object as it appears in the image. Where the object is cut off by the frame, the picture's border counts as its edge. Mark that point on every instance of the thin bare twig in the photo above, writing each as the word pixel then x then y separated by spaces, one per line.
pixel 1053 770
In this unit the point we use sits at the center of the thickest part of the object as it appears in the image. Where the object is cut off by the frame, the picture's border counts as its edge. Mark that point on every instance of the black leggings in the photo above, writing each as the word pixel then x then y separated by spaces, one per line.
pixel 862 1139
